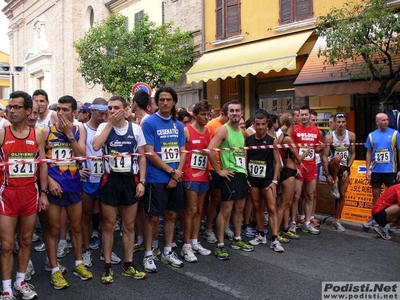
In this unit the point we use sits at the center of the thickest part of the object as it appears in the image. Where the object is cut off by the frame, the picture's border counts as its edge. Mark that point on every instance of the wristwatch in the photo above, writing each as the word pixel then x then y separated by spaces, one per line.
pixel 71 139
pixel 45 191
pixel 172 174
pixel 275 181
pixel 142 182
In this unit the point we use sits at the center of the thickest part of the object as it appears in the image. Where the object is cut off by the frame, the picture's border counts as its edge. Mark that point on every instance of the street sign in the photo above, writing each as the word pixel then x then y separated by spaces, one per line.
pixel 141 86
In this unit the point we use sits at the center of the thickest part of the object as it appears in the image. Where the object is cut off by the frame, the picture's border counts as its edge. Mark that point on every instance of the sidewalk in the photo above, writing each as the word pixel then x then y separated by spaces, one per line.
pixel 327 220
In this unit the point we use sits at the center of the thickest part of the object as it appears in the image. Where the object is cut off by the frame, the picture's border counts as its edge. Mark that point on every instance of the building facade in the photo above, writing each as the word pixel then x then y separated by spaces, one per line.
pixel 41 40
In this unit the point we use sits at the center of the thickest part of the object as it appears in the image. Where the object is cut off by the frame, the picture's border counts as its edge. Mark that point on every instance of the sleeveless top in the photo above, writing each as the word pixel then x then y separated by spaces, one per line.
pixel 233 159
pixel 260 162
pixel 46 121
pixel 341 147
pixel 95 165
pixel 117 144
pixel 15 149
pixel 195 168
pixel 65 172
pixel 285 152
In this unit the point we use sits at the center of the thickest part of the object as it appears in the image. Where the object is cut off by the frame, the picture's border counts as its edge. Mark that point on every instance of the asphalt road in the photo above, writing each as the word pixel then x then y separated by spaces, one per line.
pixel 262 274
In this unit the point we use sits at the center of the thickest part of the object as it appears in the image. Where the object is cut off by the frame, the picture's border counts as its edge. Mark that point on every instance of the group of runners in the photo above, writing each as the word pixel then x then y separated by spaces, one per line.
pixel 143 164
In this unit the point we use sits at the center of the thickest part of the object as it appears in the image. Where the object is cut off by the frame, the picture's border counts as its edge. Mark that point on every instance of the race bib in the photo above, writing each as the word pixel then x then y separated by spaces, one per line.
pixel 96 167
pixel 170 152
pixel 310 155
pixel 382 156
pixel 62 151
pixel 119 164
pixel 240 159
pixel 257 169
pixel 20 170
pixel 199 161
pixel 344 155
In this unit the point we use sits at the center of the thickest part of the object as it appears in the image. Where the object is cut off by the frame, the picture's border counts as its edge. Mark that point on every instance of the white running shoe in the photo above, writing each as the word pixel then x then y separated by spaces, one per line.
pixel 383 232
pixel 35 237
pixel 62 250
pixel 210 237
pixel 198 248
pixel 25 290
pixel 259 239
pixel 149 265
pixel 87 258
pixel 188 255
pixel 338 226
pixel 171 259
pixel 276 246
pixel 115 260
pixel 30 271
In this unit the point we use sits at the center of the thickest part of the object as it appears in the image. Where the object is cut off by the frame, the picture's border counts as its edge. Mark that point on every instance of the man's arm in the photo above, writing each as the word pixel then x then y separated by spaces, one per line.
pixel 368 159
pixel 325 154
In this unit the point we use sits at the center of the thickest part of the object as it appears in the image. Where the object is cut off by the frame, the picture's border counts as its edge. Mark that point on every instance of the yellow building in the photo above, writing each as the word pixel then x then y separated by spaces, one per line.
pixel 261 52
pixel 4 79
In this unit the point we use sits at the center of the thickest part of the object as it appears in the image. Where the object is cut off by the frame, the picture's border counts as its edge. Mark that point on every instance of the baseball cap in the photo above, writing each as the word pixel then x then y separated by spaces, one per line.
pixel 85 107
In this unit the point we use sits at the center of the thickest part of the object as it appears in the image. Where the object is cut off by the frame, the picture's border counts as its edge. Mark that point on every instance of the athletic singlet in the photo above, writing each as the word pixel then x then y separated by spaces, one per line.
pixel 233 159
pixel 64 172
pixel 13 149
pixel 195 168
pixel 2 121
pixel 383 145
pixel 213 126
pixel 95 165
pixel 260 162
pixel 307 135
pixel 46 121
pixel 283 152
pixel 121 144
pixel 341 147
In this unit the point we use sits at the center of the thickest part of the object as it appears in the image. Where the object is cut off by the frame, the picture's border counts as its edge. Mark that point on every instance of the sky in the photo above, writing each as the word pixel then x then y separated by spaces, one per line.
pixel 4 42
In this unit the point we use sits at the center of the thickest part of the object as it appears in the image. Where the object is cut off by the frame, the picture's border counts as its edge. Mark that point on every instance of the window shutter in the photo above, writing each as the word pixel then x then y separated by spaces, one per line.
pixel 220 20
pixel 286 11
pixel 233 18
pixel 139 15
pixel 303 9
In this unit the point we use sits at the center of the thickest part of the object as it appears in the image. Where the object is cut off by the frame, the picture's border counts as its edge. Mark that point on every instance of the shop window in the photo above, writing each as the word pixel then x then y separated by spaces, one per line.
pixel 228 18
pixel 295 10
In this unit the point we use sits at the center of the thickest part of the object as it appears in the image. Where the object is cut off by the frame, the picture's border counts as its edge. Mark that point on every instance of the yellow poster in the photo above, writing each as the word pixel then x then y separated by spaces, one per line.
pixel 358 200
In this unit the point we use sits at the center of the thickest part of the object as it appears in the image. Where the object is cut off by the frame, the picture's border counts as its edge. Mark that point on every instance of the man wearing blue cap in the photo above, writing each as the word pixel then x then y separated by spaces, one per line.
pixel 84 113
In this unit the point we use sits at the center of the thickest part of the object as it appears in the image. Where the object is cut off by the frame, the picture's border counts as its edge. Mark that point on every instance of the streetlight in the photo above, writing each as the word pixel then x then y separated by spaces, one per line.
pixel 7 70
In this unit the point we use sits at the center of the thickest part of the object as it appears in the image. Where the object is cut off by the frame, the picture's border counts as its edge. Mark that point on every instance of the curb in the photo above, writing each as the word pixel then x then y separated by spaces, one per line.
pixel 328 221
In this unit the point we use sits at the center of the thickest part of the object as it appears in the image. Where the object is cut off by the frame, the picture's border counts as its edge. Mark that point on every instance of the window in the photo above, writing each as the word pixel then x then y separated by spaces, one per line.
pixel 228 18
pixel 295 10
pixel 139 16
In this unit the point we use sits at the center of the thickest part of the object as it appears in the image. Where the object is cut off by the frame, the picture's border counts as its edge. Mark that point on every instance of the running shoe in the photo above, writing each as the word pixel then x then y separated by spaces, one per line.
pixel 248 232
pixel 371 223
pixel 188 254
pixel 48 268
pixel 221 253
pixel 265 219
pixel 115 260
pixel 393 229
pixel 174 245
pixel 30 271
pixel 276 246
pixel 81 272
pixel 132 272
pixel 338 226
pixel 291 234
pixel 383 232
pixel 210 237
pixel 7 296
pixel 198 248
pixel 62 250
pixel 202 228
pixel 149 265
pixel 292 227
pixel 25 291
pixel 335 191
pixel 156 252
pixel 87 258
pixel 58 281
pixel 138 247
pixel 241 245
pixel 259 239
pixel 310 229
pixel 35 237
pixel 282 239
pixel 16 246
pixel 314 222
pixel 171 259
pixel 94 242
pixel 40 248
pixel 179 238
pixel 108 276
pixel 300 223
pixel 229 233
pixel 117 225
